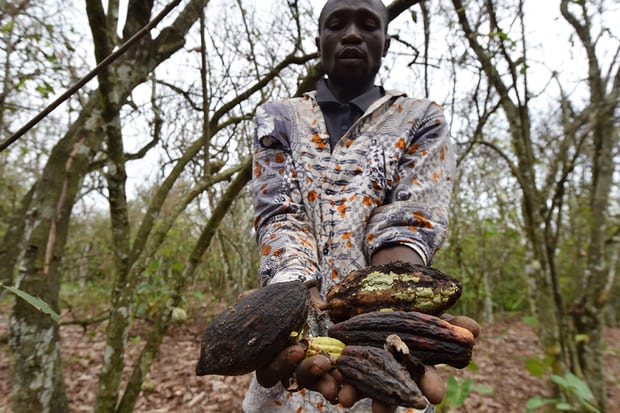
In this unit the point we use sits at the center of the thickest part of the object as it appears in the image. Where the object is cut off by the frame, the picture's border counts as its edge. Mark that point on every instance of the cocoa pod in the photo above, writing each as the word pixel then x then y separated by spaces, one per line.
pixel 375 373
pixel 249 334
pixel 399 286
pixel 399 349
pixel 429 338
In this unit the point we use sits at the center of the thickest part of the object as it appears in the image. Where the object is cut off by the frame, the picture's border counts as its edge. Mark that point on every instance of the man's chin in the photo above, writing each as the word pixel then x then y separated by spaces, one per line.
pixel 350 81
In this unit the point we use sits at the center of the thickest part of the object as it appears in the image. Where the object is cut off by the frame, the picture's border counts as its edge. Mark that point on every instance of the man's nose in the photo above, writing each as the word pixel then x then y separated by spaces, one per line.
pixel 352 34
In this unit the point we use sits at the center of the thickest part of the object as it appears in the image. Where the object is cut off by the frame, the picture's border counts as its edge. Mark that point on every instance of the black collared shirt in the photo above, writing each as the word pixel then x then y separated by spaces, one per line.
pixel 340 116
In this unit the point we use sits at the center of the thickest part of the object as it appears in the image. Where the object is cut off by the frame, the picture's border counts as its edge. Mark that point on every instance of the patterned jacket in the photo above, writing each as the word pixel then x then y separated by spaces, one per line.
pixel 321 212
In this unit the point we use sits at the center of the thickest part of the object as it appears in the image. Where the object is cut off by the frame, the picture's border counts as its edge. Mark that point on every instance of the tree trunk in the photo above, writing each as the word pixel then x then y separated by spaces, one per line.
pixel 36 369
pixel 590 305
pixel 514 98
pixel 181 280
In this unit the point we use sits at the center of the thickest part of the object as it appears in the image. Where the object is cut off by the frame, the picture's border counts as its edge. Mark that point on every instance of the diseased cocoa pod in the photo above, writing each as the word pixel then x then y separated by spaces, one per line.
pixel 250 333
pixel 376 374
pixel 399 349
pixel 399 286
pixel 429 338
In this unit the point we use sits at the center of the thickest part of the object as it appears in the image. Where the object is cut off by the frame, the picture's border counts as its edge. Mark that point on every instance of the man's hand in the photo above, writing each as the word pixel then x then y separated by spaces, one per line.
pixel 316 373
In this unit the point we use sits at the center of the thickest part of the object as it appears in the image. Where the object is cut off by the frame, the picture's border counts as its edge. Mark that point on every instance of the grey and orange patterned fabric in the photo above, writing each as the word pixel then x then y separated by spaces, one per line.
pixel 321 211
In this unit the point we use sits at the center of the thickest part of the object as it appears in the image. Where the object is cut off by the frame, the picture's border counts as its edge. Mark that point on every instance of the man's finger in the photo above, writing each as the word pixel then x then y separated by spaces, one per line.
pixel 463 321
pixel 328 387
pixel 348 395
pixel 282 366
pixel 432 385
pixel 311 369
pixel 378 407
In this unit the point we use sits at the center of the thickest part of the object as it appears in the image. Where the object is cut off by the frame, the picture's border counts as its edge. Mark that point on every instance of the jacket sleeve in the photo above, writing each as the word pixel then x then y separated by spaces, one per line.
pixel 415 211
pixel 286 243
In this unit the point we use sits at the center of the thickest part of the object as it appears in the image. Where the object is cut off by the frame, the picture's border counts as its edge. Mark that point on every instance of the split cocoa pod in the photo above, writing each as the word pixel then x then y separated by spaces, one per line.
pixel 379 373
pixel 429 338
pixel 398 286
pixel 250 333
pixel 376 373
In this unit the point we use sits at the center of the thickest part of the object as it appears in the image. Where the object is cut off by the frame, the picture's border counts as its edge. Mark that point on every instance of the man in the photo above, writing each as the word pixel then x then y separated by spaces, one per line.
pixel 344 177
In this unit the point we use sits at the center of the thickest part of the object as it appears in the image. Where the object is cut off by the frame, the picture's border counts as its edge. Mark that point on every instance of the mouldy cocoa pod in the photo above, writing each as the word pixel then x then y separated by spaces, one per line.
pixel 396 286
pixel 429 338
pixel 376 374
pixel 250 333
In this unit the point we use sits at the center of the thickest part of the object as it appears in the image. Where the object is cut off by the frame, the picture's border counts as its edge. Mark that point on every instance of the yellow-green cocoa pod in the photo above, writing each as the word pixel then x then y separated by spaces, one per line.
pixel 397 286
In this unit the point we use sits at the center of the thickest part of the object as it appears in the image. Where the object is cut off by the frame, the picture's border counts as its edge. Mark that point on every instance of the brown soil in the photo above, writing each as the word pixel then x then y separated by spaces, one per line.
pixel 500 355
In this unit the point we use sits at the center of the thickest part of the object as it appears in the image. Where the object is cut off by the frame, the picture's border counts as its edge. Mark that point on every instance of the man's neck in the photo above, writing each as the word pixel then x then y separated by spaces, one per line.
pixel 345 94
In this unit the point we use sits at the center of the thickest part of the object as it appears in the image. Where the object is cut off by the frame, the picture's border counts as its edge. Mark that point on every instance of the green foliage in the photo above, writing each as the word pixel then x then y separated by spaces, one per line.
pixel 85 299
pixel 45 89
pixel 538 366
pixel 582 398
pixel 488 257
pixel 531 321
pixel 154 289
pixel 579 394
pixel 37 303
pixel 504 37
pixel 459 389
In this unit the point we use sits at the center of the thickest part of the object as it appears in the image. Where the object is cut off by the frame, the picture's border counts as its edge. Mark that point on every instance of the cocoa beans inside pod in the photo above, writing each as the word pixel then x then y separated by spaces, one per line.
pixel 250 333
pixel 429 338
pixel 375 373
pixel 399 286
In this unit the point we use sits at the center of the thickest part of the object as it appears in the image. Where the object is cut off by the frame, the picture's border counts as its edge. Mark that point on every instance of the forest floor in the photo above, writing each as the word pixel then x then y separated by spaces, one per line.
pixel 500 355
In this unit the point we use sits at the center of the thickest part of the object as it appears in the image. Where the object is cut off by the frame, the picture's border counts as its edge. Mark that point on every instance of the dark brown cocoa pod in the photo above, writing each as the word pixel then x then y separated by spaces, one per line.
pixel 375 373
pixel 429 338
pixel 249 334
pixel 399 349
pixel 399 286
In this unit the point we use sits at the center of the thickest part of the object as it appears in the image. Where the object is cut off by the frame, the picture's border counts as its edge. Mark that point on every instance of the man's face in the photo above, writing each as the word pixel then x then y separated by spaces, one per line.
pixel 352 41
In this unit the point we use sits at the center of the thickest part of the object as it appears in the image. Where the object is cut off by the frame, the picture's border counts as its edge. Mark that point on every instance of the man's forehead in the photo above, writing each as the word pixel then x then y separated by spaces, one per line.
pixel 331 6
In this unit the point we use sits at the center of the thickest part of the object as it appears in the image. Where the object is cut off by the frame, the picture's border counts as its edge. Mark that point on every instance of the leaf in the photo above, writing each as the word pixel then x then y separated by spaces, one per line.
pixel 45 89
pixel 472 366
pixel 573 384
pixel 531 321
pixel 452 390
pixel 565 407
pixel 481 389
pixel 537 366
pixel 33 301
pixel 580 387
pixel 8 27
pixel 537 402
pixel 457 392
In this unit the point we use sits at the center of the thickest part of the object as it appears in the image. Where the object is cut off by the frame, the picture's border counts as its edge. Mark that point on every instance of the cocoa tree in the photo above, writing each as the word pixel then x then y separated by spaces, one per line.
pixel 589 306
pixel 501 52
pixel 34 338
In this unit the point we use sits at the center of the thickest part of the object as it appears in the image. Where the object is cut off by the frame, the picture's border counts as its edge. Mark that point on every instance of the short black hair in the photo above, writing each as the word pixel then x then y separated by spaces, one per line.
pixel 385 15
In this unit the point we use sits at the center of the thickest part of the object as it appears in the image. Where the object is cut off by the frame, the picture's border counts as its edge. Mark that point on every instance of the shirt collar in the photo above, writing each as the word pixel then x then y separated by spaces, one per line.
pixel 362 102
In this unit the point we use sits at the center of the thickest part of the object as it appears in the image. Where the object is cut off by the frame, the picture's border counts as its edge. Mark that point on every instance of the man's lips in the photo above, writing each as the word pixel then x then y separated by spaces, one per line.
pixel 351 53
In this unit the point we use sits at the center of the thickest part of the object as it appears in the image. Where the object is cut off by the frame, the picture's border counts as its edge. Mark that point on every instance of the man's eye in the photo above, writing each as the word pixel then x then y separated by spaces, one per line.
pixel 333 25
pixel 371 24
